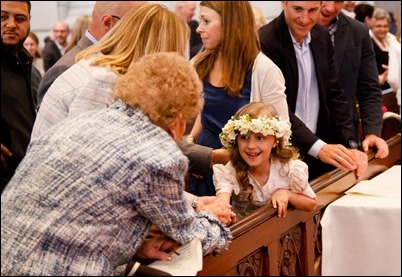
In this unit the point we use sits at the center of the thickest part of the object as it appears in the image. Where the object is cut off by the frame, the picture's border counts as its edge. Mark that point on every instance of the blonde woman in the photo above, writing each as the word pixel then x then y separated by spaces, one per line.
pixel 382 40
pixel 234 72
pixel 82 23
pixel 89 189
pixel 88 84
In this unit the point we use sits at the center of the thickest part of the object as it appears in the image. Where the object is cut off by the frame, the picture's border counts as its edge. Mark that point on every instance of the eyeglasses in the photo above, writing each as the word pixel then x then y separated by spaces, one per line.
pixel 115 16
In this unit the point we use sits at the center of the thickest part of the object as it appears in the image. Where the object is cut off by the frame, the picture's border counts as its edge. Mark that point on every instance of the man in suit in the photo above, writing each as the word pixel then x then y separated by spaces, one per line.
pixel 54 48
pixel 105 15
pixel 358 75
pixel 321 121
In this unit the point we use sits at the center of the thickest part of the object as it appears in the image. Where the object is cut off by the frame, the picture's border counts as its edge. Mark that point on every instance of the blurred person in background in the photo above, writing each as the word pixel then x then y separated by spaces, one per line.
pixel 81 25
pixel 364 13
pixel 55 46
pixel 382 40
pixel 260 19
pixel 186 10
pixel 349 8
pixel 31 43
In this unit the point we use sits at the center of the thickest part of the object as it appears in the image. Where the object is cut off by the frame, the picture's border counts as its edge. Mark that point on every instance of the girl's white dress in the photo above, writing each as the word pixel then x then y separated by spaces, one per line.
pixel 292 176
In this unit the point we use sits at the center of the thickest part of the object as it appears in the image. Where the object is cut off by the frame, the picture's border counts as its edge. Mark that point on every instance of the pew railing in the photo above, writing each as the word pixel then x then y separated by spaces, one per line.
pixel 266 245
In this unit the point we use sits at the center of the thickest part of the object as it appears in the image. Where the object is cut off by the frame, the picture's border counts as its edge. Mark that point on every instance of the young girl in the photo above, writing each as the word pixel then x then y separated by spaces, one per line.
pixel 263 165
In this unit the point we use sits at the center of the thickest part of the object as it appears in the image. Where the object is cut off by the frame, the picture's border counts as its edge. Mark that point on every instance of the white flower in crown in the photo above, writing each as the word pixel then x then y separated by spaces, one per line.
pixel 274 126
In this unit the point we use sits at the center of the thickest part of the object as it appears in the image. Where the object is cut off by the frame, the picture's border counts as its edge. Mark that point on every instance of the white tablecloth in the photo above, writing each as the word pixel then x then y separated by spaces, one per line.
pixel 361 233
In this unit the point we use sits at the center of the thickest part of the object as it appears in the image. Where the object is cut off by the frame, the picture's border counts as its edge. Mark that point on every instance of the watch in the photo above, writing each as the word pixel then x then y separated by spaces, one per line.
pixel 194 203
pixel 353 144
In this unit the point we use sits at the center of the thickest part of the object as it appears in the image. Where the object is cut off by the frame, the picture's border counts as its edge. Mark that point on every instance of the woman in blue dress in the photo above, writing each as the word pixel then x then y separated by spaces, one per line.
pixel 234 73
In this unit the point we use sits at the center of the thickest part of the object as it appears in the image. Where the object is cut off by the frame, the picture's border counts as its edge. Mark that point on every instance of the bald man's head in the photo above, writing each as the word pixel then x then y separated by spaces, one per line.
pixel 106 14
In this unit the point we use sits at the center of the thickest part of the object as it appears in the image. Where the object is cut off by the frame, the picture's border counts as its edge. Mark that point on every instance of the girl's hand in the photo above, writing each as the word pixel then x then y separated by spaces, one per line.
pixel 280 200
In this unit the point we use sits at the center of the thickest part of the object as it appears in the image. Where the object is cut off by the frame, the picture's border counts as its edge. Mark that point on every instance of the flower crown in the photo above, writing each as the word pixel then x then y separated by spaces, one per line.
pixel 274 126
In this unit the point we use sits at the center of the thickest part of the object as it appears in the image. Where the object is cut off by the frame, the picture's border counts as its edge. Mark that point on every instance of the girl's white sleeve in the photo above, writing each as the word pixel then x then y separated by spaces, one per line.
pixel 224 178
pixel 298 177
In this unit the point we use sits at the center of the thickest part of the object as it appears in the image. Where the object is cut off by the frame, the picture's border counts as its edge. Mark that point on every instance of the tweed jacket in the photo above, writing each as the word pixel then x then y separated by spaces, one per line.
pixel 88 191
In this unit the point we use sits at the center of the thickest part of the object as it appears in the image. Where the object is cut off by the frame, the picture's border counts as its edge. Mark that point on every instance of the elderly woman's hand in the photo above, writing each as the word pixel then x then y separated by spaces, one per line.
pixel 157 247
pixel 217 207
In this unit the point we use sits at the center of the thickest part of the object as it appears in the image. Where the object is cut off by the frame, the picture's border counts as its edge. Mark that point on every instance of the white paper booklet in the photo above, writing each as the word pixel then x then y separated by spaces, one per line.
pixel 187 263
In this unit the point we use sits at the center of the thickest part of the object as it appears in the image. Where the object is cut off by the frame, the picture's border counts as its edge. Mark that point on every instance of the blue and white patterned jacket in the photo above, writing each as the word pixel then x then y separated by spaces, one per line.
pixel 87 192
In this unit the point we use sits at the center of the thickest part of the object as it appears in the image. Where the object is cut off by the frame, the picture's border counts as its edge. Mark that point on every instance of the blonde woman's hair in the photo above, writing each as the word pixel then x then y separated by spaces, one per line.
pixel 283 152
pixel 259 17
pixel 82 23
pixel 164 86
pixel 239 46
pixel 148 29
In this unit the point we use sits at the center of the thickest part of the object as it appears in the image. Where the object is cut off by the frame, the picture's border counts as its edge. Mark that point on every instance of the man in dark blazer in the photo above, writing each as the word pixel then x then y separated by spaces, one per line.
pixel 333 143
pixel 358 75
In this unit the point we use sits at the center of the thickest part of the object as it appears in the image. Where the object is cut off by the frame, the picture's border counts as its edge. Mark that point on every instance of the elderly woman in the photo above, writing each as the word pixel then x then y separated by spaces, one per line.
pixel 89 189
pixel 382 40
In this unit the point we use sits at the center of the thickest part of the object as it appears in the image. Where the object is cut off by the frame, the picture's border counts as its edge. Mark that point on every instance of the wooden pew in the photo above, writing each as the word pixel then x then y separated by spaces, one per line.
pixel 265 244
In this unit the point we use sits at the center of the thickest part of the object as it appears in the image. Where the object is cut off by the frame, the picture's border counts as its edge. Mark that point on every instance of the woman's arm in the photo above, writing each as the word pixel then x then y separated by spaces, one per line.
pixel 195 131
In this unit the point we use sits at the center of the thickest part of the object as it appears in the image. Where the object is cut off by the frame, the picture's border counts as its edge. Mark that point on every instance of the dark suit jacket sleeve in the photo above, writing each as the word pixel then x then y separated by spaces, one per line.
pixel 339 128
pixel 358 74
pixel 199 156
pixel 36 78
pixel 369 93
pixel 50 54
